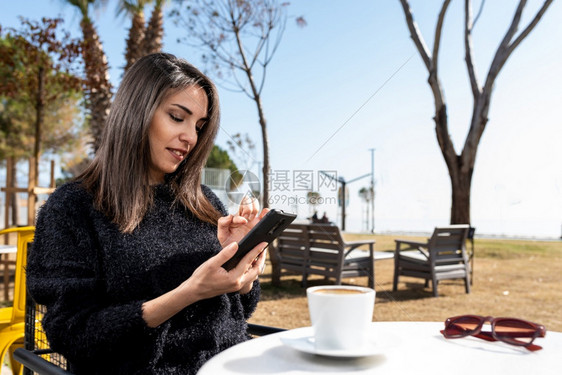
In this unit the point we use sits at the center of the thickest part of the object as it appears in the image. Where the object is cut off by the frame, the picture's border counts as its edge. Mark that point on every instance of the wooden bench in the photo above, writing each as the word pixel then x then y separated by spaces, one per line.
pixel 319 249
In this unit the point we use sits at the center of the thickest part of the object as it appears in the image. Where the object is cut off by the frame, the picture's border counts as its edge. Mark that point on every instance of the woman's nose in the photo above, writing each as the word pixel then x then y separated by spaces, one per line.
pixel 189 134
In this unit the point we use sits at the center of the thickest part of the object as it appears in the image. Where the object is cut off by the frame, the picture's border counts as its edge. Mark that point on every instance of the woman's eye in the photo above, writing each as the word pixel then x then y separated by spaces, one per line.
pixel 199 127
pixel 175 118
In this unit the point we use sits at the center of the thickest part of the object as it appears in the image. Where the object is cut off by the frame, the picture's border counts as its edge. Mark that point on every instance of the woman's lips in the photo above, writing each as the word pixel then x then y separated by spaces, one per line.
pixel 179 155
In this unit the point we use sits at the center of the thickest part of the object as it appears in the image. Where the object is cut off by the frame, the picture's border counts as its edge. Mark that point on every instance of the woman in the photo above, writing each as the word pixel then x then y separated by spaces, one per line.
pixel 127 258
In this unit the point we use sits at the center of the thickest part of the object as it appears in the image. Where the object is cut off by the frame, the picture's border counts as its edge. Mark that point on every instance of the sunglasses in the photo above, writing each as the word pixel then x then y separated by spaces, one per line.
pixel 509 330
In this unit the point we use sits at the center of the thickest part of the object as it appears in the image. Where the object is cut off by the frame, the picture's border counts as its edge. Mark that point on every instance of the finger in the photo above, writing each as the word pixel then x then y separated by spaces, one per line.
pixel 258 266
pixel 263 213
pixel 225 221
pixel 260 258
pixel 249 207
pixel 244 208
pixel 249 258
pixel 238 221
pixel 260 261
pixel 225 254
pixel 254 208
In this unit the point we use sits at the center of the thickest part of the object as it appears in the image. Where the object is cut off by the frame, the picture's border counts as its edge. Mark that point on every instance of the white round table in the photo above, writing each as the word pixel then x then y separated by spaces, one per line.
pixel 405 348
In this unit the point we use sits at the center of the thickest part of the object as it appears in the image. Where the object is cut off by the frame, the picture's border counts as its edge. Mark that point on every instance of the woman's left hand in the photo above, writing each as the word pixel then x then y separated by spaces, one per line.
pixel 234 227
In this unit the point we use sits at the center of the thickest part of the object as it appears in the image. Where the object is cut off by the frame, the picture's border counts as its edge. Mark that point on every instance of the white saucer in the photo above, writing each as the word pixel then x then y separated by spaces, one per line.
pixel 304 342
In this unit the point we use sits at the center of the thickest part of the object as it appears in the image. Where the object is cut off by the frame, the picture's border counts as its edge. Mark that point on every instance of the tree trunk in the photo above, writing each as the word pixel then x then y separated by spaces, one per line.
pixel 98 85
pixel 460 208
pixel 460 169
pixel 265 141
pixel 263 123
pixel 152 42
pixel 135 40
pixel 39 109
pixel 12 182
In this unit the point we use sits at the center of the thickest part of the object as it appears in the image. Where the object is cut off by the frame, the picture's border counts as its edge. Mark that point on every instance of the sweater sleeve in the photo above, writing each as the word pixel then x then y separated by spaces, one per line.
pixel 63 273
pixel 250 300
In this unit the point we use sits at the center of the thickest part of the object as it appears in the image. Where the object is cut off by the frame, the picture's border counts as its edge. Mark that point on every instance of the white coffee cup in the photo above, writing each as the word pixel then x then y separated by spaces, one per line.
pixel 340 316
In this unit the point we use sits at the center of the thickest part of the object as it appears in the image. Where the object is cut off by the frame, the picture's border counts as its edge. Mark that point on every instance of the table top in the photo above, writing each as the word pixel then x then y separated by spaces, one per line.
pixel 403 347
pixel 6 249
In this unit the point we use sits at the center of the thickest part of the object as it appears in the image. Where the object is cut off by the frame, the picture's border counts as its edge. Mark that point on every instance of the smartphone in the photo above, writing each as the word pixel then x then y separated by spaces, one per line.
pixel 266 230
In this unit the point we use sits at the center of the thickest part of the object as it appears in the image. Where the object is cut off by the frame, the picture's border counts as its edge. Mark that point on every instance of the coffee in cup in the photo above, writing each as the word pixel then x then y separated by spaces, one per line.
pixel 340 316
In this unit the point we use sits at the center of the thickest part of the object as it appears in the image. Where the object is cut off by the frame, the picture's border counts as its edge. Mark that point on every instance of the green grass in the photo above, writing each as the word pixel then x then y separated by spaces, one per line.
pixel 510 249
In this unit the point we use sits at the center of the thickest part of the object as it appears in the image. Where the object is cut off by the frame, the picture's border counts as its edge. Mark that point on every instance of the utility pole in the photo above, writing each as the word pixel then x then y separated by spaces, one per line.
pixel 343 183
pixel 372 190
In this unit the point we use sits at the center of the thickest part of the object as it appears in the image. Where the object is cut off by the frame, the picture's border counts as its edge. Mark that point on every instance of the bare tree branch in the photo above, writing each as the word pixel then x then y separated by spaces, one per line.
pixel 241 85
pixel 424 53
pixel 262 84
pixel 502 51
pixel 461 166
pixel 506 48
pixel 531 26
pixel 437 40
pixel 241 37
pixel 416 35
pixel 479 13
pixel 468 26
pixel 441 121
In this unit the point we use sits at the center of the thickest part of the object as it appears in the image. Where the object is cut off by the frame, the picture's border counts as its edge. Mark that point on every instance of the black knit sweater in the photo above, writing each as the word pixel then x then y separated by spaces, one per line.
pixel 94 279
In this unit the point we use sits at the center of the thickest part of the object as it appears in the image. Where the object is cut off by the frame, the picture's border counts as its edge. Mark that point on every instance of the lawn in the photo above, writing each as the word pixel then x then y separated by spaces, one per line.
pixel 511 278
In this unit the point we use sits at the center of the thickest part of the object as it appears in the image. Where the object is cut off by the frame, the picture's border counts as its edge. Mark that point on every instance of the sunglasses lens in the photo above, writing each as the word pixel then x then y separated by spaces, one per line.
pixel 515 331
pixel 462 326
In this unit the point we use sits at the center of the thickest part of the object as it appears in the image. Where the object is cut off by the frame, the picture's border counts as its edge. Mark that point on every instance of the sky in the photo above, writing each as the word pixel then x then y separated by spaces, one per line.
pixel 352 81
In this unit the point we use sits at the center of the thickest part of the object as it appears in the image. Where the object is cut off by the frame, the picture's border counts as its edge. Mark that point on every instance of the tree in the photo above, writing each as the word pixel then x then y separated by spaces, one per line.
pixel 461 166
pixel 55 125
pixel 64 128
pixel 240 37
pixel 219 158
pixel 36 67
pixel 154 30
pixel 97 86
pixel 135 9
pixel 243 148
pixel 143 39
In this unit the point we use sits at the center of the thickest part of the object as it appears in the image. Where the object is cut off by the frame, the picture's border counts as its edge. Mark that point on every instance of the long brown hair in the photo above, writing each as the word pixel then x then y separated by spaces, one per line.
pixel 118 176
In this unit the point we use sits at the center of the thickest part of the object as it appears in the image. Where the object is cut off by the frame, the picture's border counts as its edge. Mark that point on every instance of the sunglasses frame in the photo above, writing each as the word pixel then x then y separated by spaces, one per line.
pixel 540 330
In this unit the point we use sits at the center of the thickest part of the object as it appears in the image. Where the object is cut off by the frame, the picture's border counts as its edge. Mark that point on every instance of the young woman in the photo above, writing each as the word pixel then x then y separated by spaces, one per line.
pixel 127 258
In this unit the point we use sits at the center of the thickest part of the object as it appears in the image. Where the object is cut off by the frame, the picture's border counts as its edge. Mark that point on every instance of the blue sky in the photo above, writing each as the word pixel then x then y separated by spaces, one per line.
pixel 329 99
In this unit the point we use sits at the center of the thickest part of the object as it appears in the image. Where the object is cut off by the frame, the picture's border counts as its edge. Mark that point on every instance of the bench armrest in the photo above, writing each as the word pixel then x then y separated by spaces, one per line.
pixel 358 243
pixel 352 245
pixel 416 245
pixel 37 364
pixel 413 244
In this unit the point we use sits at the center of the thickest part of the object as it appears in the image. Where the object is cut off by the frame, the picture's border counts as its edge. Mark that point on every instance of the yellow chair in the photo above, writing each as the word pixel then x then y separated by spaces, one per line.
pixel 12 319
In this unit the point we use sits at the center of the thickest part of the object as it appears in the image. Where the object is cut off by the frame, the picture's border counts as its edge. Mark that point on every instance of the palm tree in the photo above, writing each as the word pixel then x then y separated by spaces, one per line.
pixel 135 9
pixel 154 30
pixel 97 85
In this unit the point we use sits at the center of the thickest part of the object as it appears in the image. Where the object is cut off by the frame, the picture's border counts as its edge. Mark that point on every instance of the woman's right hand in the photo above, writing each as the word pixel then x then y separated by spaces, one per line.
pixel 210 279
pixel 207 281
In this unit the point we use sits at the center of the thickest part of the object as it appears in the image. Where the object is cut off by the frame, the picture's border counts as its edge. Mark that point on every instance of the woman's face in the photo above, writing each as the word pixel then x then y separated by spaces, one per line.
pixel 173 131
